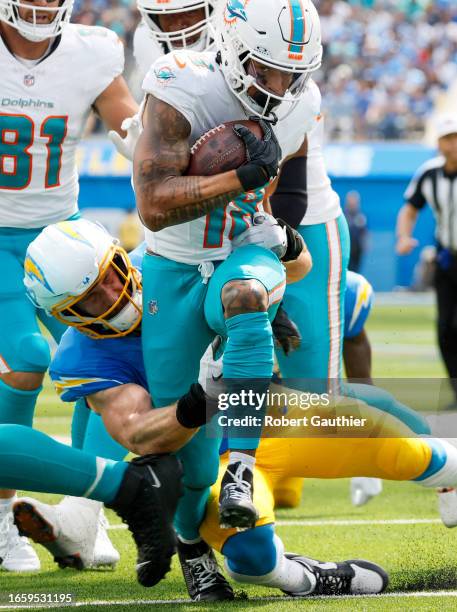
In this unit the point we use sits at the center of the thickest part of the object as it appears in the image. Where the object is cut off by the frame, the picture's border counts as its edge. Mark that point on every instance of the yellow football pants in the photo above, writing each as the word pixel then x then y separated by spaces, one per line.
pixel 386 456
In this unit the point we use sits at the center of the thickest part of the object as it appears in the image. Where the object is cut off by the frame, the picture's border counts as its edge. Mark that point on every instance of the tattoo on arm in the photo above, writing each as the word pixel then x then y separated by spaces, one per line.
pixel 164 196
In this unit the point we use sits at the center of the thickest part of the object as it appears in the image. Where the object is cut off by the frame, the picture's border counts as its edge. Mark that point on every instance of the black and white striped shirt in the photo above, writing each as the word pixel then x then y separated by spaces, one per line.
pixel 433 185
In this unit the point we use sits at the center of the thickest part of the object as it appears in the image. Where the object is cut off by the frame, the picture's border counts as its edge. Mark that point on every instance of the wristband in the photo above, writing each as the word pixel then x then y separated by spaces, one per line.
pixel 191 408
pixel 251 177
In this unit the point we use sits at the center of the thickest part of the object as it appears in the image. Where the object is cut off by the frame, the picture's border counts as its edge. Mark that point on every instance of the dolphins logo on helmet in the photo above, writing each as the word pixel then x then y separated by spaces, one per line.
pixel 235 10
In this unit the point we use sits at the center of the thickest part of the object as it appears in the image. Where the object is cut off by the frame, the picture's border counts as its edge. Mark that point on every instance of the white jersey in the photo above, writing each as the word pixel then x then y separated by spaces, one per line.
pixel 323 202
pixel 44 109
pixel 193 83
pixel 146 49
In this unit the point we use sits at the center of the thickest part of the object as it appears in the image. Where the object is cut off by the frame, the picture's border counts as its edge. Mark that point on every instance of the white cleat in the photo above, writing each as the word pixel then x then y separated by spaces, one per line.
pixel 353 577
pixel 447 505
pixel 67 530
pixel 16 553
pixel 364 489
pixel 104 552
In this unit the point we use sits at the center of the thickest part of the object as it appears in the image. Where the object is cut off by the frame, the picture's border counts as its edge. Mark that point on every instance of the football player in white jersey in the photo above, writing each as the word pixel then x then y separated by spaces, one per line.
pixel 177 24
pixel 174 25
pixel 53 74
pixel 191 222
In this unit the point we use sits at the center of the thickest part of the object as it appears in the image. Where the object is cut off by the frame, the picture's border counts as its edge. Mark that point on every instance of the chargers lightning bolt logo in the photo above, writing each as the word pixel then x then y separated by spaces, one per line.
pixel 235 10
pixel 33 270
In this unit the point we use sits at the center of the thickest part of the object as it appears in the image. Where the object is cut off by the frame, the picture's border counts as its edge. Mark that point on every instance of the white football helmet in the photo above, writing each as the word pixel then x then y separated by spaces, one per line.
pixel 151 10
pixel 278 34
pixel 65 262
pixel 34 30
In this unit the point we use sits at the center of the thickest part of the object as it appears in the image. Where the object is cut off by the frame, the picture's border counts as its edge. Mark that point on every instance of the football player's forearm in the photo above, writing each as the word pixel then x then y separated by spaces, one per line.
pixel 158 432
pixel 178 199
pixel 164 195
pixel 406 220
pixel 297 269
pixel 115 104
pixel 130 419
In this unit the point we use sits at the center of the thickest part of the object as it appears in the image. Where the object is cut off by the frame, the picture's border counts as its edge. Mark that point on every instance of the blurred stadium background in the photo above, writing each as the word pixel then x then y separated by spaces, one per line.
pixel 389 67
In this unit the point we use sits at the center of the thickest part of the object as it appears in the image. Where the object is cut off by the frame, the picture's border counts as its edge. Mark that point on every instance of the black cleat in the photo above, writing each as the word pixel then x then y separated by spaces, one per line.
pixel 201 573
pixel 147 501
pixel 235 500
pixel 353 577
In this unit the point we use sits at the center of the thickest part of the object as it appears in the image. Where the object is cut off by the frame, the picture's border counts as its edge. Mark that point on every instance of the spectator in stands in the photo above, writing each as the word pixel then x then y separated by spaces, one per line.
pixel 357 223
pixel 398 55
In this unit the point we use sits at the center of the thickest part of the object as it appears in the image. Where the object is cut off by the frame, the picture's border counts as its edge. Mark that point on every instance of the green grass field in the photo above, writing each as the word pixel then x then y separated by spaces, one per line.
pixel 399 529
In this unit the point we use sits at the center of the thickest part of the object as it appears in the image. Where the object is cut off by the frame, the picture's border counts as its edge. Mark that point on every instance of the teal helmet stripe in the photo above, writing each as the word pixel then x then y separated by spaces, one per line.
pixel 298 26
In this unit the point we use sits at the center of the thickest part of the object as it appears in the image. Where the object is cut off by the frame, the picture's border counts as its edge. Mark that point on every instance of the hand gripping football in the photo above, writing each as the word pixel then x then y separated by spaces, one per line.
pixel 220 149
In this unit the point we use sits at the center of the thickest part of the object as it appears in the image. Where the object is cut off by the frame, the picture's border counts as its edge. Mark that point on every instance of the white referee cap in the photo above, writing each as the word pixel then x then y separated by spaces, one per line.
pixel 445 125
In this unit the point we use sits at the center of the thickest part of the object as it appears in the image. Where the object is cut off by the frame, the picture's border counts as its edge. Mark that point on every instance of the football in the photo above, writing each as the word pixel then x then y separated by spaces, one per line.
pixel 220 149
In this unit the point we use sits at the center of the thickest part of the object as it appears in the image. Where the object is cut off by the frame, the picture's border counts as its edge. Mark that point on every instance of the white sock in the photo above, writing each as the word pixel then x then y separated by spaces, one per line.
pixel 6 505
pixel 287 574
pixel 447 475
pixel 93 504
pixel 247 460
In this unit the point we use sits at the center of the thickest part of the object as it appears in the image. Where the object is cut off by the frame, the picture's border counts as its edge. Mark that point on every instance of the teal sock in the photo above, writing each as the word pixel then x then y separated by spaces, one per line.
pixel 79 422
pixel 97 440
pixel 33 461
pixel 191 512
pixel 17 406
pixel 248 367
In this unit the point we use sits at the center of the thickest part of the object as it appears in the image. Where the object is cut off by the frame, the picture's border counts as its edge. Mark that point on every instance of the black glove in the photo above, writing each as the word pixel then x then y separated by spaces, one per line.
pixel 263 157
pixel 295 243
pixel 285 332
pixel 195 408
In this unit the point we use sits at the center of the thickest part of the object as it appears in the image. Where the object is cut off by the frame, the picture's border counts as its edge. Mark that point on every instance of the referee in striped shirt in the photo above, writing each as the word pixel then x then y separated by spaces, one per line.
pixel 436 183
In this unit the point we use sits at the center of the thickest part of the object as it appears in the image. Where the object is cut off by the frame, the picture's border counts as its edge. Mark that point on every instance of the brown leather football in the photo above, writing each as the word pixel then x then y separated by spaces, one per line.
pixel 220 149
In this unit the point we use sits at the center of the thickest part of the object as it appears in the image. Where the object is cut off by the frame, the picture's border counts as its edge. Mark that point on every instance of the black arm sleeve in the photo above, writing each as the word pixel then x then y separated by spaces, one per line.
pixel 290 199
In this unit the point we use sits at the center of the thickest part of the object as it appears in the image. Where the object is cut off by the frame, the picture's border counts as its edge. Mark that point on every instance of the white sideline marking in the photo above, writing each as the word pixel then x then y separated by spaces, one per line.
pixel 132 602
pixel 341 523
pixel 349 522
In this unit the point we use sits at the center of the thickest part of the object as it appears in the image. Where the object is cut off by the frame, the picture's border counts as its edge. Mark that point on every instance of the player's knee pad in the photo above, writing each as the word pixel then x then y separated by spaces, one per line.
pixel 251 553
pixel 287 493
pixel 33 354
pixel 403 458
